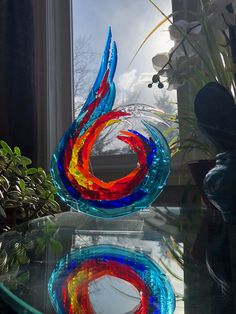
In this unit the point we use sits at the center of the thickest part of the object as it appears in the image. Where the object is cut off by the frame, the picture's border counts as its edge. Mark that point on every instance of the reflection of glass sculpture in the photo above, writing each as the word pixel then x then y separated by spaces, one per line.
pixel 69 283
pixel 70 167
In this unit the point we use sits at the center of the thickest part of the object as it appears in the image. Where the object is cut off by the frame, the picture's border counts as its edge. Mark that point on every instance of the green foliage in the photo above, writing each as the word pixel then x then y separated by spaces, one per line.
pixel 45 238
pixel 12 258
pixel 18 248
pixel 25 192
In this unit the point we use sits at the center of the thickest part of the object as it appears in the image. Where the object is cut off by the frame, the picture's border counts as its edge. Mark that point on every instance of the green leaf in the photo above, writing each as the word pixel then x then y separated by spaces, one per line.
pixel 56 246
pixel 40 241
pixel 22 185
pixel 17 170
pixel 49 229
pixel 51 197
pixel 6 147
pixel 174 140
pixel 54 204
pixel 39 249
pixel 12 204
pixel 169 130
pixel 40 189
pixel 48 185
pixel 23 277
pixel 40 246
pixel 30 192
pixel 3 260
pixel 159 24
pixel 25 161
pixel 17 151
pixel 14 267
pixel 2 212
pixel 23 259
pixel 170 271
pixel 4 183
pixel 1 195
pixel 42 172
pixel 31 171
pixel 31 200
pixel 14 195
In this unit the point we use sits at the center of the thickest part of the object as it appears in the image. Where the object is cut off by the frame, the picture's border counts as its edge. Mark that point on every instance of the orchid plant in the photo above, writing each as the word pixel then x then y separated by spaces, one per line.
pixel 204 51
pixel 207 39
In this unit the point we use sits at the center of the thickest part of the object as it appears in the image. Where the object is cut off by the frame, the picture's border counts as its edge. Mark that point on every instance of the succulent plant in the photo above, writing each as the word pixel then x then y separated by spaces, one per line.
pixel 25 192
pixel 22 246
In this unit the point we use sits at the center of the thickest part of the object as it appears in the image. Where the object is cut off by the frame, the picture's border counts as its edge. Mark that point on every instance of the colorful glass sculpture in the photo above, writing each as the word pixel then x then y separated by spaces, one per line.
pixel 70 165
pixel 69 282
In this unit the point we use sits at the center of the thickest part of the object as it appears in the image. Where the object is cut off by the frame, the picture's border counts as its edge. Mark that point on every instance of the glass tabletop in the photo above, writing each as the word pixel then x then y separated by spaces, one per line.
pixel 190 245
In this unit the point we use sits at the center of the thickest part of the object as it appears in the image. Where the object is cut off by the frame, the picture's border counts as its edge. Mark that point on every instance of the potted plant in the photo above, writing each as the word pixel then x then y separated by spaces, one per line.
pixel 25 192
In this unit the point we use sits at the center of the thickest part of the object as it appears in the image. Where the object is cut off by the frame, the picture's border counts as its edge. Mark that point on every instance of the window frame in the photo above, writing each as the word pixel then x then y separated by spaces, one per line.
pixel 54 74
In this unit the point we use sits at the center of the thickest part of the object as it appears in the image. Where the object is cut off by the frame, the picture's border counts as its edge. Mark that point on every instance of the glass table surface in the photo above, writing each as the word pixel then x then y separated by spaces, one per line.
pixel 191 245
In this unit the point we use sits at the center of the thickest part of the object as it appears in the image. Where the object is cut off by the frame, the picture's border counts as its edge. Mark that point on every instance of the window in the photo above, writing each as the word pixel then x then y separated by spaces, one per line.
pixel 130 21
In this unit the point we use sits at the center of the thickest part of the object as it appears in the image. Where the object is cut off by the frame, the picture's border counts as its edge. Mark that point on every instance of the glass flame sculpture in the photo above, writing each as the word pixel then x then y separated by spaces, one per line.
pixel 70 165
pixel 69 282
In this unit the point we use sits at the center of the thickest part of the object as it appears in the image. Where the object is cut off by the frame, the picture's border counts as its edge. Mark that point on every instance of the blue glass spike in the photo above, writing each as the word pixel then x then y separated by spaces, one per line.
pixel 111 98
pixel 142 137
pixel 101 72
pixel 113 62
pixel 157 135
pixel 104 62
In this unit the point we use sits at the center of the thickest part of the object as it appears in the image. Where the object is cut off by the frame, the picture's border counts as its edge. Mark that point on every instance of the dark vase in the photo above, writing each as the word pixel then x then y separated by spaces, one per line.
pixel 199 169
pixel 220 185
pixel 211 221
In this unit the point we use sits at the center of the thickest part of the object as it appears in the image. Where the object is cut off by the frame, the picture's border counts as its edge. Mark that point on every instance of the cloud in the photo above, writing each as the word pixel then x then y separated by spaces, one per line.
pixel 131 80
pixel 132 87
pixel 127 80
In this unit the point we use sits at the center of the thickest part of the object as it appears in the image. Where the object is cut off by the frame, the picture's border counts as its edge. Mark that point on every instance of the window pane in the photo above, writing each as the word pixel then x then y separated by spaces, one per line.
pixel 130 21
